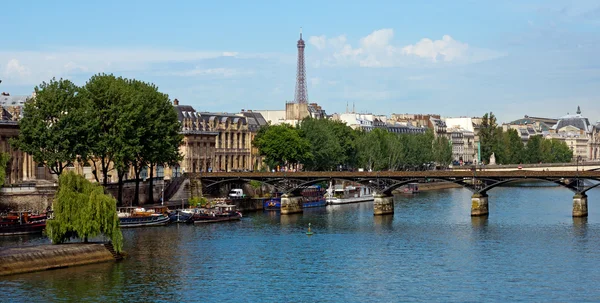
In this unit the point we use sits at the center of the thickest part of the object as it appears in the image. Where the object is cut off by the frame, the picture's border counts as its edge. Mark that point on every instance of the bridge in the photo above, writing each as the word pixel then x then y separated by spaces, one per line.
pixel 384 182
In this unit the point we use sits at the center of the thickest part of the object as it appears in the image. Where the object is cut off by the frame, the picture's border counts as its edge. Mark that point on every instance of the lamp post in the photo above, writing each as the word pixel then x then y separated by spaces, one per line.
pixel 578 159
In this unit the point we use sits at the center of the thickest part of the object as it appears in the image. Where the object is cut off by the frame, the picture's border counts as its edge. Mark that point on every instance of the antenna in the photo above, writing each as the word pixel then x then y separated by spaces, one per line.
pixel 300 32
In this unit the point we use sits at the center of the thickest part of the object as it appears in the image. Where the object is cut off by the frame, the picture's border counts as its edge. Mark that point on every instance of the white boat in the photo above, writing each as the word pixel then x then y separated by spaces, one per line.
pixel 348 194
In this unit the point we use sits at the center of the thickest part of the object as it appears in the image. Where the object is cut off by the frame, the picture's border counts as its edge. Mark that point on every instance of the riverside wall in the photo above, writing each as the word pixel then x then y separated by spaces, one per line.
pixel 43 257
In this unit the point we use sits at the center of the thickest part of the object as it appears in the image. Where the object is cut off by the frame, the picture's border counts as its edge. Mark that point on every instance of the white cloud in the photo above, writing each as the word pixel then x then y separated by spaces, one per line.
pixel 446 49
pixel 318 41
pixel 33 67
pixel 220 72
pixel 315 81
pixel 377 50
pixel 16 69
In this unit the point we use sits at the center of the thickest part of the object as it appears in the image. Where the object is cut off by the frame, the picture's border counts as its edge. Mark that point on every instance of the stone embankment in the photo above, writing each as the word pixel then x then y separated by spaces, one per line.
pixel 43 257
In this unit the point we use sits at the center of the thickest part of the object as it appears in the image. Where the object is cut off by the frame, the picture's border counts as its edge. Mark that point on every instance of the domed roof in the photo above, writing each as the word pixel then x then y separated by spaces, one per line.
pixel 576 120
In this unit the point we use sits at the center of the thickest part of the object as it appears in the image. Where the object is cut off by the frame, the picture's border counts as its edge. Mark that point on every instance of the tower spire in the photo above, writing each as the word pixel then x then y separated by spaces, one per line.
pixel 301 95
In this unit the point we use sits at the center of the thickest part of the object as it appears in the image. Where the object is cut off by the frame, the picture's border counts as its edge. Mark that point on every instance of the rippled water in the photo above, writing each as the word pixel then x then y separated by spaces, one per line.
pixel 529 249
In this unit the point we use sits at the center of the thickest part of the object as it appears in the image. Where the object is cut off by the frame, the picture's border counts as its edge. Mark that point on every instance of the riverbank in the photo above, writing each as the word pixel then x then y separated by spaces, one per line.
pixel 432 186
pixel 16 260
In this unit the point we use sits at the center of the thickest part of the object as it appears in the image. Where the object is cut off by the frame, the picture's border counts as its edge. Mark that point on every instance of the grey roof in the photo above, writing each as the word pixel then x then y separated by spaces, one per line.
pixel 258 117
pixel 575 121
pixel 13 100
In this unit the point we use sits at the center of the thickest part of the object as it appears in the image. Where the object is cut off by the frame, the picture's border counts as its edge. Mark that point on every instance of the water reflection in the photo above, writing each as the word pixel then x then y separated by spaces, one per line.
pixel 383 223
pixel 479 222
pixel 580 226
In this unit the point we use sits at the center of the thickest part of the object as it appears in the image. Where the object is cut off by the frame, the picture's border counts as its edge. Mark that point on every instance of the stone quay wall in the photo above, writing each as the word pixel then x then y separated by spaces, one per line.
pixel 43 257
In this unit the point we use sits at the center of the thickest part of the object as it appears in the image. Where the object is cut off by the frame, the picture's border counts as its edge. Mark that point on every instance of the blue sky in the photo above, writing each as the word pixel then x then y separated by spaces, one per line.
pixel 454 58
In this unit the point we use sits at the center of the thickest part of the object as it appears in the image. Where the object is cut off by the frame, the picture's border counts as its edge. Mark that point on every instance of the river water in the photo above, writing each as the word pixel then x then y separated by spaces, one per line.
pixel 529 249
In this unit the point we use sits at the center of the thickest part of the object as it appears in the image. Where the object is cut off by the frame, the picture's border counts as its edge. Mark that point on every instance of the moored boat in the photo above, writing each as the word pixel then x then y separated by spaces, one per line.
pixel 410 188
pixel 348 194
pixel 272 203
pixel 219 213
pixel 139 217
pixel 180 215
pixel 313 196
pixel 21 223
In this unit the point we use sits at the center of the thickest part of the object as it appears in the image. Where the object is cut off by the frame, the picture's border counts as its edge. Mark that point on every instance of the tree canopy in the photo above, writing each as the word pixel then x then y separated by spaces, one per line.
pixel 54 127
pixel 509 148
pixel 82 210
pixel 282 145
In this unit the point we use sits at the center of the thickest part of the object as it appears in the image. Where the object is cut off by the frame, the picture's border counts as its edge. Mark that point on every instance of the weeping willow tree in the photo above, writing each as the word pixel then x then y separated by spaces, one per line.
pixel 82 210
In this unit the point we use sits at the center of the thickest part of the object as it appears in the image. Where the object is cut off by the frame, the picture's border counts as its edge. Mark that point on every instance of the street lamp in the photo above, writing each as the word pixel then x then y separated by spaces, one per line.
pixel 578 159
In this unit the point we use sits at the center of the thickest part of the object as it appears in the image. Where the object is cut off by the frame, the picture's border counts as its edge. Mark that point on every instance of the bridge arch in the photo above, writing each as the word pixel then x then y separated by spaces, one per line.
pixel 503 182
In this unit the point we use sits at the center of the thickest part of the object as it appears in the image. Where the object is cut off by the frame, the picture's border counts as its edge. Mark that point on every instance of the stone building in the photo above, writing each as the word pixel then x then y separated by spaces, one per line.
pixel 218 141
pixel 582 137
pixel 21 167
pixel 530 126
pixel 463 145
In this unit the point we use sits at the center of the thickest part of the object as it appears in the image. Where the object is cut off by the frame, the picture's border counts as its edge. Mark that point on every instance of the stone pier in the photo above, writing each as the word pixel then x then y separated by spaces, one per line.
pixel 291 204
pixel 479 205
pixel 383 205
pixel 580 208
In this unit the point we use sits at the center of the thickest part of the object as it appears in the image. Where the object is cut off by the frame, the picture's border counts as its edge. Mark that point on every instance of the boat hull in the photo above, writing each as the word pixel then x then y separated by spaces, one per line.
pixel 272 204
pixel 317 203
pixel 337 201
pixel 180 217
pixel 143 221
pixel 215 219
pixel 22 229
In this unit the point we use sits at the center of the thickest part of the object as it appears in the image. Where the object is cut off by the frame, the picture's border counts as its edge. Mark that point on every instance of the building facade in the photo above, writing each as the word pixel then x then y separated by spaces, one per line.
pixel 582 137
pixel 218 141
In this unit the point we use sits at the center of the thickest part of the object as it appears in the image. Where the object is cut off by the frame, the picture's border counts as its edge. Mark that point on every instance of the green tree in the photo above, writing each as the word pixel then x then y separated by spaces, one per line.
pixel 81 209
pixel 442 151
pixel 516 148
pixel 533 150
pixel 282 145
pixel 347 138
pixel 110 115
pixel 54 126
pixel 327 153
pixel 367 150
pixel 488 136
pixel 157 129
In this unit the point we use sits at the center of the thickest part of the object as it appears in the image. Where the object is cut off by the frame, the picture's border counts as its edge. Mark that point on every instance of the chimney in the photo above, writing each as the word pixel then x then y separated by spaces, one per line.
pixel 176 102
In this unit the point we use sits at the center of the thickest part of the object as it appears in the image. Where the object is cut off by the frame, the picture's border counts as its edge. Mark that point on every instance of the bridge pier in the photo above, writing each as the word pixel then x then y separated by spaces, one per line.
pixel 383 205
pixel 580 208
pixel 291 204
pixel 479 205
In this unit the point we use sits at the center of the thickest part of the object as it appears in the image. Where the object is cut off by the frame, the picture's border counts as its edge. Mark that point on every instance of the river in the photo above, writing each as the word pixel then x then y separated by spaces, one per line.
pixel 529 249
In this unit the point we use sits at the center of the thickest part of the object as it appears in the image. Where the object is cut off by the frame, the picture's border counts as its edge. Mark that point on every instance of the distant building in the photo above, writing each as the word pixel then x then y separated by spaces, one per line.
pixel 530 126
pixel 464 136
pixel 218 141
pixel 582 137
pixel 369 122
pixel 463 145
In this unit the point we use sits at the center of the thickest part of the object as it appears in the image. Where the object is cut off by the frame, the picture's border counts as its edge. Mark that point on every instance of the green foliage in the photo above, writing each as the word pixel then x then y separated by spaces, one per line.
pixel 327 152
pixel 488 136
pixel 509 148
pixel 197 201
pixel 282 145
pixel 442 151
pixel 4 158
pixel 83 210
pixel 382 150
pixel 54 127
